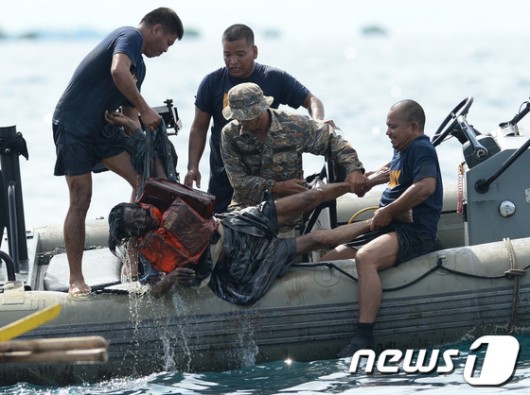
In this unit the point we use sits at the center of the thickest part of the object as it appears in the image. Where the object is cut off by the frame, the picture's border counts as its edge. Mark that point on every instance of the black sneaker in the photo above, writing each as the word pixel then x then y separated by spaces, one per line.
pixel 357 343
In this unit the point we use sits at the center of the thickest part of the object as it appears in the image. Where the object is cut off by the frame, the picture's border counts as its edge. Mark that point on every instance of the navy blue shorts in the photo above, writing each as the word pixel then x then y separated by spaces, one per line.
pixel 76 156
pixel 413 242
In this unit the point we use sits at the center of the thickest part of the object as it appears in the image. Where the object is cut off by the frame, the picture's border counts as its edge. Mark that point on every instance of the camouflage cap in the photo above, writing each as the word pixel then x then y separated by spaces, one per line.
pixel 246 101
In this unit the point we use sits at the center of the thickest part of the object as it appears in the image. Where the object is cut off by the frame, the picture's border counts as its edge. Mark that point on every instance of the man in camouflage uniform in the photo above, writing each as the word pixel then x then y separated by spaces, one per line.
pixel 239 54
pixel 262 149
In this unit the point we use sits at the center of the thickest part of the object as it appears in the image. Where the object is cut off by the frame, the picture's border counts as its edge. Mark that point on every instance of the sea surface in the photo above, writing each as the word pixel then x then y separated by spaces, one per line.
pixel 358 77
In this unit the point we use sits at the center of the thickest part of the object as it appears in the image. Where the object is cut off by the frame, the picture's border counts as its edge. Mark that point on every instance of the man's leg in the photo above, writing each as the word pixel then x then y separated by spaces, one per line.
pixel 291 206
pixel 121 165
pixel 379 254
pixel 80 191
pixel 340 252
pixel 329 238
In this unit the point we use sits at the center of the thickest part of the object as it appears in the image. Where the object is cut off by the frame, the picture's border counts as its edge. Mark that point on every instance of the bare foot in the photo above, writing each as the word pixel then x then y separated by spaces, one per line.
pixel 79 288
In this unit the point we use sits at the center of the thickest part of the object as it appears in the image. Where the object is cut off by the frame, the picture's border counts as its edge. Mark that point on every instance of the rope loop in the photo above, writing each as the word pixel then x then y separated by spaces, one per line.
pixel 513 273
pixel 370 208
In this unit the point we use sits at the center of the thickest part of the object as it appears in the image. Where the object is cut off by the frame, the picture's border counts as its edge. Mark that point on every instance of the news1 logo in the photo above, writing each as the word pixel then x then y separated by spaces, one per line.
pixel 494 368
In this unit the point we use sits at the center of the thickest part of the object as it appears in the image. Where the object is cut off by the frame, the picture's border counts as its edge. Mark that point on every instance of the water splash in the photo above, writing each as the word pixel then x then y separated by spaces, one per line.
pixel 246 348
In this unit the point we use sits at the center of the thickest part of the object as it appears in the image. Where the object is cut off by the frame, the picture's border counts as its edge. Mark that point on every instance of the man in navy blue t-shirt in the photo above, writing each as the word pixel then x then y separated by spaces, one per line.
pixel 415 183
pixel 107 79
pixel 239 53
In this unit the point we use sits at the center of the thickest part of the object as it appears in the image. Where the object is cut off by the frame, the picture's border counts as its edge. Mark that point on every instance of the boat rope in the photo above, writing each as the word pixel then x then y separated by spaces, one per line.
pixel 515 274
pixel 460 190
pixel 439 266
pixel 111 291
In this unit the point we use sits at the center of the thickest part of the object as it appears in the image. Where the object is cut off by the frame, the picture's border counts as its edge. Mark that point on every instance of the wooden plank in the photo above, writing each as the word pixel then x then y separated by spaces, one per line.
pixel 75 349
pixel 54 344
pixel 70 356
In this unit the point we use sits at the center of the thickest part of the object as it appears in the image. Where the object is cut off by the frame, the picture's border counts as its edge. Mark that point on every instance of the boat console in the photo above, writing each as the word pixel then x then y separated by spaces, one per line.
pixel 496 197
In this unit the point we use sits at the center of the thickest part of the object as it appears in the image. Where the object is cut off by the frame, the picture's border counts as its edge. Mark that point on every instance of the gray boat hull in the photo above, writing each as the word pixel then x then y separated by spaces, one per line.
pixel 308 314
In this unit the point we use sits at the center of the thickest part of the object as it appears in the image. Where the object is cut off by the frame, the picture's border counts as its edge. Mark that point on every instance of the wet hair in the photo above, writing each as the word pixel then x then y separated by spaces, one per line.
pixel 238 32
pixel 166 17
pixel 410 111
pixel 119 232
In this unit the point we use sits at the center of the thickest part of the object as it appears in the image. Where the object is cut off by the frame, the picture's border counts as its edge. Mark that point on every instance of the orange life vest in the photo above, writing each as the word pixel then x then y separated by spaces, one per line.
pixel 186 225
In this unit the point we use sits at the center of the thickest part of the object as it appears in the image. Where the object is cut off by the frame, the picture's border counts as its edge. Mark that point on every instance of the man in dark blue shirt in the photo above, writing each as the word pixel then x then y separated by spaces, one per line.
pixel 107 79
pixel 239 53
pixel 414 183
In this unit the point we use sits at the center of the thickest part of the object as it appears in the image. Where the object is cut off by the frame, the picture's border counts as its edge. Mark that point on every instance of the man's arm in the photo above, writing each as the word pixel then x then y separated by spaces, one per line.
pixel 377 177
pixel 180 276
pixel 414 195
pixel 288 187
pixel 363 183
pixel 321 139
pixel 196 144
pixel 314 106
pixel 124 81
pixel 249 188
pixel 290 207
pixel 119 119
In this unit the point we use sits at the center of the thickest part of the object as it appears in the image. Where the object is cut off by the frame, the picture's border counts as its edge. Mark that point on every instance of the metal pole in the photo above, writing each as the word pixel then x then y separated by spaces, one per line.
pixel 11 179
pixel 13 225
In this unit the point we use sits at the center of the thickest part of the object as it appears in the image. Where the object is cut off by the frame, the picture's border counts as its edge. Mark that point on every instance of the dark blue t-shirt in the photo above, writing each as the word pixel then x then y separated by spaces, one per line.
pixel 91 91
pixel 417 161
pixel 213 89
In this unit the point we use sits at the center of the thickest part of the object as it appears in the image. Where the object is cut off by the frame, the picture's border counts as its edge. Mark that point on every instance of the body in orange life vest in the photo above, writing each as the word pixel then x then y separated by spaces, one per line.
pixel 183 236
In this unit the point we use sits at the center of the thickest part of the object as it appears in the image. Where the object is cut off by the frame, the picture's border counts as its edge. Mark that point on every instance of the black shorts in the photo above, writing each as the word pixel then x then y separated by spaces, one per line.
pixel 413 242
pixel 76 156
pixel 253 257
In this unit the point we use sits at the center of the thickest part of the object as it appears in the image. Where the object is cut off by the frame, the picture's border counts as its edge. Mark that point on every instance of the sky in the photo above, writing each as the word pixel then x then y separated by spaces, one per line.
pixel 318 17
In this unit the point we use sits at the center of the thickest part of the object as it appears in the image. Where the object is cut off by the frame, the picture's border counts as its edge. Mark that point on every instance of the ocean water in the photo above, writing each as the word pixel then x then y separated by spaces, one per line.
pixel 301 378
pixel 358 78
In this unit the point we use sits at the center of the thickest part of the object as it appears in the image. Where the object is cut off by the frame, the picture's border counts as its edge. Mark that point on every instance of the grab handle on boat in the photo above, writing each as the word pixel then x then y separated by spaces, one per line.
pixel 482 186
pixel 10 266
